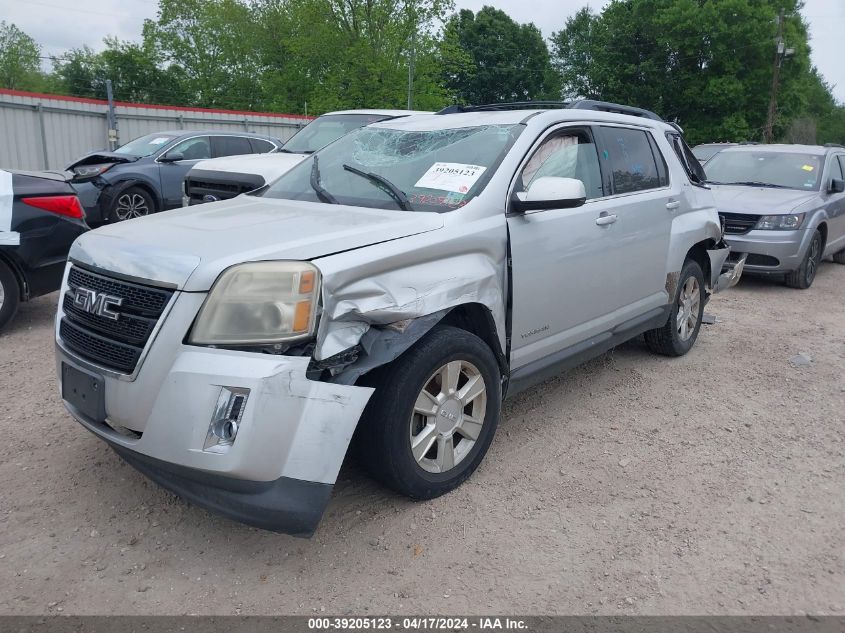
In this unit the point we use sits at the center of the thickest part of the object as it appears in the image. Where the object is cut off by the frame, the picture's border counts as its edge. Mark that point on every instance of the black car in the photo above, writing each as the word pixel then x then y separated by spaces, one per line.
pixel 145 175
pixel 40 217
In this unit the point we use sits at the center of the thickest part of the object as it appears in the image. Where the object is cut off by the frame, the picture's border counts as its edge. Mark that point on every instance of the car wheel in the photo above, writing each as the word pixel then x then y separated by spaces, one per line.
pixel 802 278
pixel 433 414
pixel 134 202
pixel 839 257
pixel 679 333
pixel 10 294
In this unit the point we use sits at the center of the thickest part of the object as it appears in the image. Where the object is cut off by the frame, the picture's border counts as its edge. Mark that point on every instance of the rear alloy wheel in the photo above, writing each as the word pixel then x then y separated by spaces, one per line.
pixel 802 277
pixel 9 295
pixel 679 333
pixel 433 414
pixel 130 204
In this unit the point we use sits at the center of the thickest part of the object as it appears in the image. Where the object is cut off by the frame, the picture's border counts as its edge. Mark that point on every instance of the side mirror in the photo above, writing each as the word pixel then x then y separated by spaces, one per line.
pixel 172 157
pixel 550 192
pixel 837 185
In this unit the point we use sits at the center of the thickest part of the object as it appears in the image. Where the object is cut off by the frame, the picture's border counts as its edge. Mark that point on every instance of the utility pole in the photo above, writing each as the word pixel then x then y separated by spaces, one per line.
pixel 411 61
pixel 111 117
pixel 780 53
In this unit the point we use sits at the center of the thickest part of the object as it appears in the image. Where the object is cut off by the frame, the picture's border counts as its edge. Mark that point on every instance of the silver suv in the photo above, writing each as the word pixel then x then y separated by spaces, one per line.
pixel 394 287
pixel 783 207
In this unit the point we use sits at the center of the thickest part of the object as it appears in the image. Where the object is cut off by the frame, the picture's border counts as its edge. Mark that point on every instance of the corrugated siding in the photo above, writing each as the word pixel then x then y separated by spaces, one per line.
pixel 73 128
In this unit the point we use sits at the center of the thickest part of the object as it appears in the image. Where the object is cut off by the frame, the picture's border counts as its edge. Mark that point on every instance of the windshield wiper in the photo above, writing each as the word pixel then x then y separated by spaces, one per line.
pixel 750 183
pixel 383 183
pixel 322 194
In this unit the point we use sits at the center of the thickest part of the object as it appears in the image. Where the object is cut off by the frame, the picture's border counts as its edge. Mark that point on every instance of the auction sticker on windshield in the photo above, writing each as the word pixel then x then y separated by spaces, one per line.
pixel 456 177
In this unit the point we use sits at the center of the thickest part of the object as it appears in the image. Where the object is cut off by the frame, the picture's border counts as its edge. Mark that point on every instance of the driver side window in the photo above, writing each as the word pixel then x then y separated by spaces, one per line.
pixel 197 148
pixel 566 154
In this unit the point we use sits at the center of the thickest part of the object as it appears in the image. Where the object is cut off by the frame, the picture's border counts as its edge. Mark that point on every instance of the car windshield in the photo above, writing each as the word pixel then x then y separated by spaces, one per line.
pixel 789 170
pixel 327 129
pixel 433 170
pixel 706 152
pixel 145 145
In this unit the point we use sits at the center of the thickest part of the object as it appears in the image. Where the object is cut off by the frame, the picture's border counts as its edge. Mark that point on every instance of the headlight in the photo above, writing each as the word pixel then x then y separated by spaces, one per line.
pixel 259 303
pixel 89 171
pixel 780 222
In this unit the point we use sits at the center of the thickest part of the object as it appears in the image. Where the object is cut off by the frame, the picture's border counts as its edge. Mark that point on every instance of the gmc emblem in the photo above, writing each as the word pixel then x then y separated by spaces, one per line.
pixel 97 303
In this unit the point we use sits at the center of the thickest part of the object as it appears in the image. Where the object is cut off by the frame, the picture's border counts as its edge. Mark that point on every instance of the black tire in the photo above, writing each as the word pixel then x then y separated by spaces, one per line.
pixel 11 295
pixel 384 435
pixel 802 277
pixel 839 257
pixel 668 340
pixel 130 203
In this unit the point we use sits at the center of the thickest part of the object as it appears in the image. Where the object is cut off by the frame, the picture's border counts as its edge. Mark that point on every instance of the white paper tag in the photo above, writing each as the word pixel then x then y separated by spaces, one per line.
pixel 160 140
pixel 456 177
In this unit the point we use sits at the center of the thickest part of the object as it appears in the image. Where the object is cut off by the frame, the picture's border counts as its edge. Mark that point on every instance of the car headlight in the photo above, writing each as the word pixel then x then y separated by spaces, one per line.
pixel 259 303
pixel 788 222
pixel 90 171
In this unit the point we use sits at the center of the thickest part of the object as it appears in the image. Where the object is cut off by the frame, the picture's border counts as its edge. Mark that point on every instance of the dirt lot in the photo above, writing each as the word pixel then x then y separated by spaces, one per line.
pixel 635 484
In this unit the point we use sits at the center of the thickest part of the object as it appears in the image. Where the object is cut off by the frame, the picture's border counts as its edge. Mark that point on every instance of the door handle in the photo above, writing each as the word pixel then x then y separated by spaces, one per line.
pixel 605 219
pixel 673 204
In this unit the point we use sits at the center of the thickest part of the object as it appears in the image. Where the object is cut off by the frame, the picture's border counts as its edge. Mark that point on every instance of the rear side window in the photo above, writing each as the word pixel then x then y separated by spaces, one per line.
pixel 631 160
pixel 230 146
pixel 260 146
pixel 695 172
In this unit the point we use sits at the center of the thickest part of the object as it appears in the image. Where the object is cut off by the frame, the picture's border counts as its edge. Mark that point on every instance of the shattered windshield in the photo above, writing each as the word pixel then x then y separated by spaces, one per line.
pixel 788 170
pixel 434 170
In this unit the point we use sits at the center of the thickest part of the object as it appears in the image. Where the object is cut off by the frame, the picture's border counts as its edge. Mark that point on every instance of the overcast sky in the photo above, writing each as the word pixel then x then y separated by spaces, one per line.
pixel 62 24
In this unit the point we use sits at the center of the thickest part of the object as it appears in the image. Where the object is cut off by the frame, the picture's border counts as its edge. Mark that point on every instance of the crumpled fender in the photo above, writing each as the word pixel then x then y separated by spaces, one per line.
pixel 408 279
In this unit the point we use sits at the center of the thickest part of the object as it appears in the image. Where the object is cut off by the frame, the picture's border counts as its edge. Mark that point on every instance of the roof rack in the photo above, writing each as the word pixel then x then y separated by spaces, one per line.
pixel 834 145
pixel 581 104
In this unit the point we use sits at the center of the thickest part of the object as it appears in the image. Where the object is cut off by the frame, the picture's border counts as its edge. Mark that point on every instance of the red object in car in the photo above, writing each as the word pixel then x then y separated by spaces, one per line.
pixel 67 206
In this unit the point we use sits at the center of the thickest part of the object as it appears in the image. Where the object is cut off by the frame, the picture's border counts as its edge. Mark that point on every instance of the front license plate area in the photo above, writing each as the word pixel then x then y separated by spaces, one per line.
pixel 85 392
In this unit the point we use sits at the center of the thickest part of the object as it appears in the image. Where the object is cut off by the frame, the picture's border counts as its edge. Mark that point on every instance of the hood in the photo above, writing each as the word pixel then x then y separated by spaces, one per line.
pixel 189 247
pixel 97 158
pixel 268 166
pixel 759 200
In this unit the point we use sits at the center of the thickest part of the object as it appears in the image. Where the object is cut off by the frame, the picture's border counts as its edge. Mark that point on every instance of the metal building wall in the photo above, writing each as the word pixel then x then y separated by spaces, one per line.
pixel 50 131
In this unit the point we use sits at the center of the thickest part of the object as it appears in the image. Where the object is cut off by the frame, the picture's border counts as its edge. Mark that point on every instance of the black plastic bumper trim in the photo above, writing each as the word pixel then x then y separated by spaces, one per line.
pixel 286 505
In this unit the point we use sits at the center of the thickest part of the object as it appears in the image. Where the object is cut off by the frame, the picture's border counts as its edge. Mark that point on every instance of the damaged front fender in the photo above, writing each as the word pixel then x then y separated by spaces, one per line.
pixel 405 284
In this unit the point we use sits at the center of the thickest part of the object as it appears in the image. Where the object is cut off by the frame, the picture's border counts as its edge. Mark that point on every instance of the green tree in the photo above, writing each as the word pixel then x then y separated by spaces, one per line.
pixel 707 65
pixel 508 61
pixel 351 53
pixel 211 45
pixel 20 59
pixel 78 72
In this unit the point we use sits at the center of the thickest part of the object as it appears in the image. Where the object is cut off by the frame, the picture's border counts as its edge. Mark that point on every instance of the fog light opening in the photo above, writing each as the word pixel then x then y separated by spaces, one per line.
pixel 226 419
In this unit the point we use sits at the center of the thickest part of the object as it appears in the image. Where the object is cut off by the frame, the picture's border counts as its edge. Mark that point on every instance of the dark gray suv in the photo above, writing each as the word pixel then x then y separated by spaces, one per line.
pixel 146 175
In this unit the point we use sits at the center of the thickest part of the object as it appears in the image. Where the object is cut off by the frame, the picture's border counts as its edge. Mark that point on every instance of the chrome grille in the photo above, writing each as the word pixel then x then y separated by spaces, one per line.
pixel 114 344
pixel 738 223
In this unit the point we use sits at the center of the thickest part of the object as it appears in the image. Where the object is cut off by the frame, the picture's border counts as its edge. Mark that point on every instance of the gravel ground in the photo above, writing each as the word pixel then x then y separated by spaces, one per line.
pixel 634 484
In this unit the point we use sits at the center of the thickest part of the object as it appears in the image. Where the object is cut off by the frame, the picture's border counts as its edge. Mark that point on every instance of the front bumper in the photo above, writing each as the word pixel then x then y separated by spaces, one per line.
pixel 291 506
pixel 724 274
pixel 770 251
pixel 292 436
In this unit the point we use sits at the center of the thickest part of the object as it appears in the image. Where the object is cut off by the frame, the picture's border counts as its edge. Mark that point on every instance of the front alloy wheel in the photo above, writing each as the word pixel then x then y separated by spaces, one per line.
pixel 132 203
pixel 803 277
pixel 448 416
pixel 433 414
